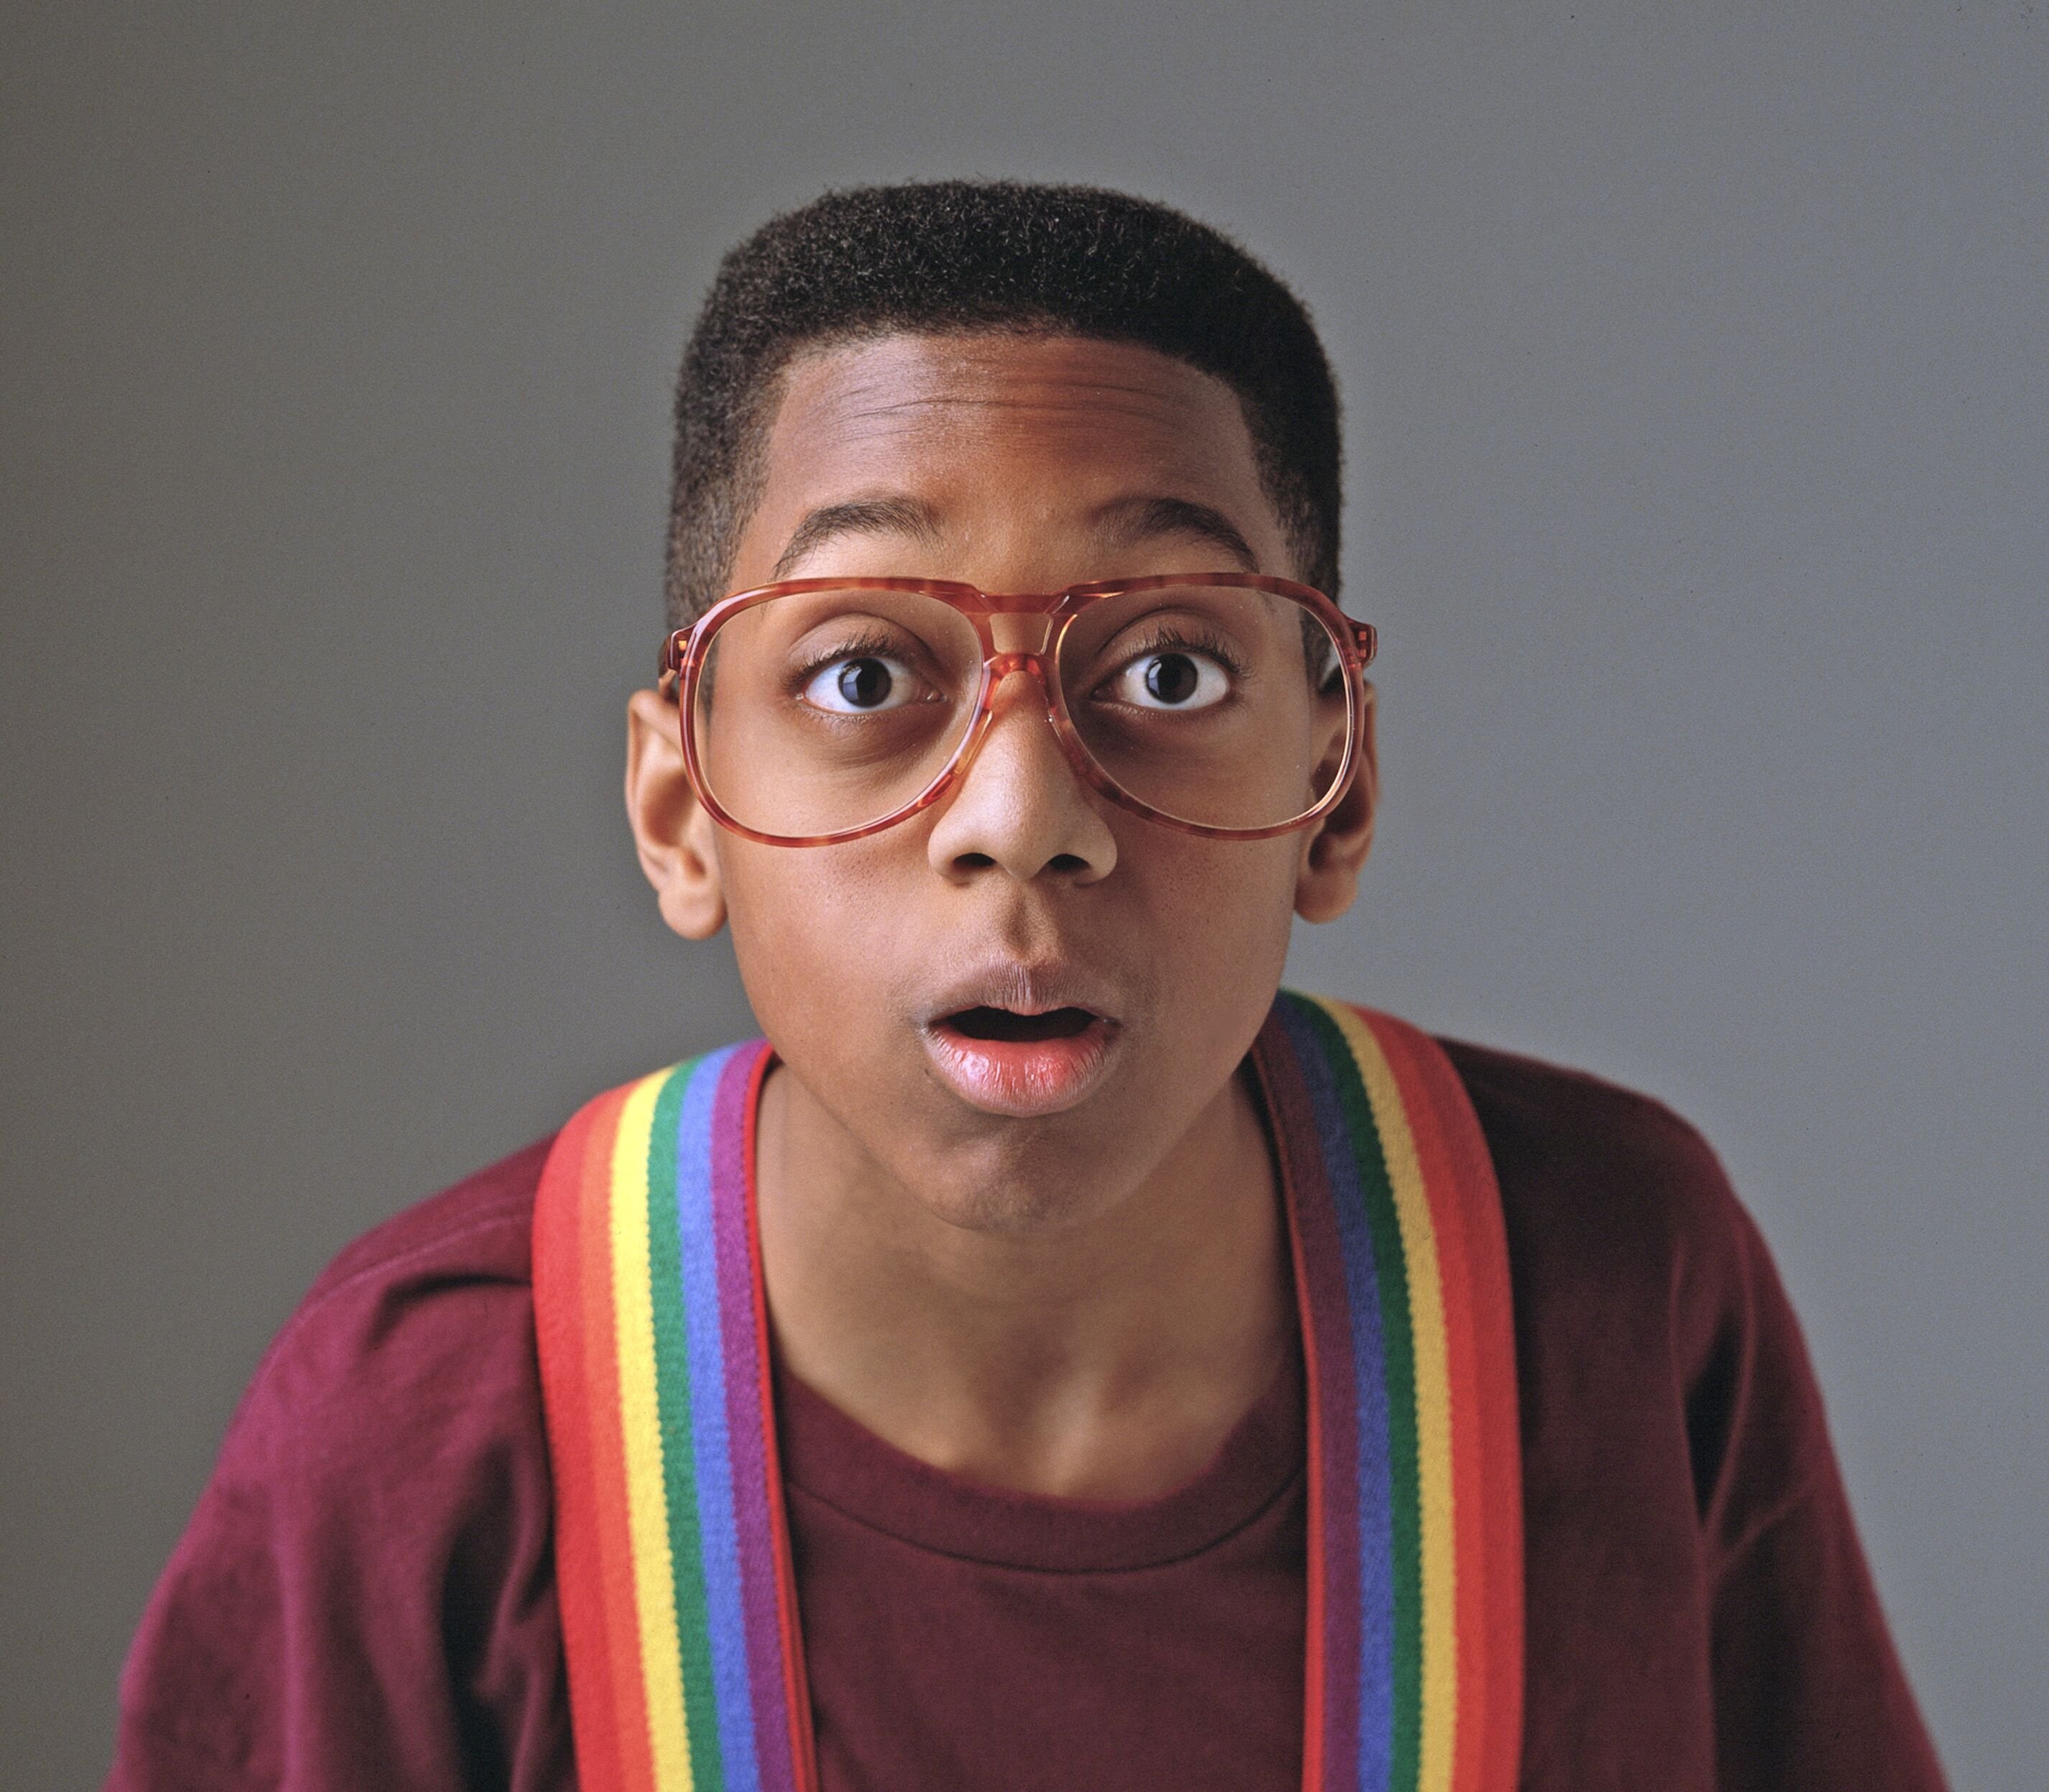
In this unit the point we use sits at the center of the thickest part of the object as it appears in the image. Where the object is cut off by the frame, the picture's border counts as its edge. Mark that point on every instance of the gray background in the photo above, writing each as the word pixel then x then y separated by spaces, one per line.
pixel 1699 437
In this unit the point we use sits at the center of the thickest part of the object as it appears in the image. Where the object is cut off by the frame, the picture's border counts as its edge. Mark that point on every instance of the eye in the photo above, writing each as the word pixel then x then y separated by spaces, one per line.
pixel 1171 678
pixel 860 685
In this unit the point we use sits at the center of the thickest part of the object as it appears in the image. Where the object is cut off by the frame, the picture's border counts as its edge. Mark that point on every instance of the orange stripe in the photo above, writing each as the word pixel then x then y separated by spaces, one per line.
pixel 559 1327
pixel 614 1544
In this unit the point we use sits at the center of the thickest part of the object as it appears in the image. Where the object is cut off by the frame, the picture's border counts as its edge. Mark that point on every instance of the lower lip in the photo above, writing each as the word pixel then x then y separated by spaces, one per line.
pixel 1022 1078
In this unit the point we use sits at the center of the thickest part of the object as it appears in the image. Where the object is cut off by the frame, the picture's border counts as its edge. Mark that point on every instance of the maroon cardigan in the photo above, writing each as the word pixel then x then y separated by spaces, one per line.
pixel 365 1597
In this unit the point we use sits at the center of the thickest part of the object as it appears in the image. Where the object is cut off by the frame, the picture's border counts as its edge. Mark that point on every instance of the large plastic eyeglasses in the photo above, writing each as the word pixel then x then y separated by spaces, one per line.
pixel 819 710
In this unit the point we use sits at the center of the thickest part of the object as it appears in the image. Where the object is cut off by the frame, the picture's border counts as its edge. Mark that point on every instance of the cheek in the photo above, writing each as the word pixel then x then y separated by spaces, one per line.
pixel 1215 919
pixel 814 938
pixel 1234 898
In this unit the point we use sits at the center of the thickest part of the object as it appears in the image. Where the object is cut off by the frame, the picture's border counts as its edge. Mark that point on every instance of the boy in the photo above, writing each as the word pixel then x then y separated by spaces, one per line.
pixel 1059 1361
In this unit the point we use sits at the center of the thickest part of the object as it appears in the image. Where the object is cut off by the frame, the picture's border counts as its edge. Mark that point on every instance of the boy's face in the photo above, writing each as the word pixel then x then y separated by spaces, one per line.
pixel 881 967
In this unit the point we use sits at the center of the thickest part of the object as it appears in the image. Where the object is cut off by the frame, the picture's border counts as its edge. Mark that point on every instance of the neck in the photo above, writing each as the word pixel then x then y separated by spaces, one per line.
pixel 1107 1359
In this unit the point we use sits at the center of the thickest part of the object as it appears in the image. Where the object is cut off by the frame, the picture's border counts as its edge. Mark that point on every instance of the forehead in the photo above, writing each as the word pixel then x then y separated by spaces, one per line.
pixel 997 436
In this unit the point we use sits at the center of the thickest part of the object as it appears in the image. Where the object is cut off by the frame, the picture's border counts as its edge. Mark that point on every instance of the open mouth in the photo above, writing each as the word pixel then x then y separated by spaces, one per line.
pixel 1001 1024
pixel 1022 1065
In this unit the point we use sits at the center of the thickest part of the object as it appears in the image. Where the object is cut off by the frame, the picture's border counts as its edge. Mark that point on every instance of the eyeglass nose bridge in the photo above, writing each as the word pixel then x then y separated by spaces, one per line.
pixel 1051 708
pixel 1041 668
pixel 1001 665
pixel 1014 631
pixel 997 669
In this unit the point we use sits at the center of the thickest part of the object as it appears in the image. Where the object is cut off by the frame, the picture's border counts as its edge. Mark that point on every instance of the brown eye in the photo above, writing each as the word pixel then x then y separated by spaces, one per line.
pixel 1172 679
pixel 861 684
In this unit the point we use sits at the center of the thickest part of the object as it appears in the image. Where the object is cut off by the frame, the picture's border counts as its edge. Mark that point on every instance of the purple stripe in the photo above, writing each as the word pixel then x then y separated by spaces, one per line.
pixel 1327 1322
pixel 1367 1489
pixel 725 1627
pixel 746 1422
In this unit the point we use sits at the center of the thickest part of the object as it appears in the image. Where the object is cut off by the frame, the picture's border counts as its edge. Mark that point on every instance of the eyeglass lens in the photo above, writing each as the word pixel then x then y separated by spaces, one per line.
pixel 821 713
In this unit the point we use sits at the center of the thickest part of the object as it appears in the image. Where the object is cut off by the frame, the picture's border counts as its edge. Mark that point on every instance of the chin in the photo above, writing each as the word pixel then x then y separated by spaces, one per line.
pixel 1017 1185
pixel 1011 1210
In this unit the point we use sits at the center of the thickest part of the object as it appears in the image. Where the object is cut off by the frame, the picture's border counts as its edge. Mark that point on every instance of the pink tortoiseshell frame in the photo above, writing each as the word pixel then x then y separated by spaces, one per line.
pixel 684 653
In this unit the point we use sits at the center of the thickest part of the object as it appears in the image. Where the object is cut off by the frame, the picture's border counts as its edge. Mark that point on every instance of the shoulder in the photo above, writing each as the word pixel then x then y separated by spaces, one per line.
pixel 421 1329
pixel 1592 1138
pixel 478 1228
pixel 372 1552
pixel 1606 1187
pixel 1650 1318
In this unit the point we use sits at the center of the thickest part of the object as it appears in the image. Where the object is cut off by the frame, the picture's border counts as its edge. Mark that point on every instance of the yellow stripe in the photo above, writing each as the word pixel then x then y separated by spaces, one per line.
pixel 640 1420
pixel 1433 1402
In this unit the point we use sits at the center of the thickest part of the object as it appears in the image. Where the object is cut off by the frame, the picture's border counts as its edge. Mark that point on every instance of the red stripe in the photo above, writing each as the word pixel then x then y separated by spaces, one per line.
pixel 1465 1206
pixel 1500 1441
pixel 560 1207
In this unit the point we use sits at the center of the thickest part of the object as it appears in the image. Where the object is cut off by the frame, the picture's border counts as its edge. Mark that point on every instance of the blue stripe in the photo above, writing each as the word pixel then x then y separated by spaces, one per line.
pixel 718 1532
pixel 1376 1538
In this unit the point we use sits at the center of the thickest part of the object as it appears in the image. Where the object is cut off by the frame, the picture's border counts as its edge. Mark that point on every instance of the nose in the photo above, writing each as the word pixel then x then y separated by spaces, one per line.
pixel 1017 806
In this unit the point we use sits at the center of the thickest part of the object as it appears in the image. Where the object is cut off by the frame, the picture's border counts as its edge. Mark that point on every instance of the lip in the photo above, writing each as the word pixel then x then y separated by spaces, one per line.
pixel 1021 1079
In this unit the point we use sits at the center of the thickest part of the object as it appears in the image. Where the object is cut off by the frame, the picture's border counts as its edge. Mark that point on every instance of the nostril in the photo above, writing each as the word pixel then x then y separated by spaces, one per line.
pixel 1066 861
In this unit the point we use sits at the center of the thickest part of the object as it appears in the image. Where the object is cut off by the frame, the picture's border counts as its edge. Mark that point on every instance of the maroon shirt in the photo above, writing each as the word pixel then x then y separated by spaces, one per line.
pixel 365 1597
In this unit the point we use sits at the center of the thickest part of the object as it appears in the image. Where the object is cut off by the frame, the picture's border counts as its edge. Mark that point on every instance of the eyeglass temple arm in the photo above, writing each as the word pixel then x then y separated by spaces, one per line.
pixel 669 667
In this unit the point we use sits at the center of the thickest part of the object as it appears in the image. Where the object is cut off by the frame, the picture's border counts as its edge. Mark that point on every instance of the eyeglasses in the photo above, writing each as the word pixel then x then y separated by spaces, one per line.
pixel 817 710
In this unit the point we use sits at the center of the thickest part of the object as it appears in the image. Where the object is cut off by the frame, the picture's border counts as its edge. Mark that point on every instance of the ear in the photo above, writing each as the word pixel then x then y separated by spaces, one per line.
pixel 677 838
pixel 1334 851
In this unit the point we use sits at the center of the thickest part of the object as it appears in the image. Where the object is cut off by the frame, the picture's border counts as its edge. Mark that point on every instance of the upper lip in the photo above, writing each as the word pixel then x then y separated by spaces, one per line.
pixel 1020 988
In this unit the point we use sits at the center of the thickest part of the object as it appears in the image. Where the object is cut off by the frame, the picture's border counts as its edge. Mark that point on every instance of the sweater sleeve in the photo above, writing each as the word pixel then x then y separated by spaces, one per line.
pixel 365 1595
pixel 1699 1611
pixel 1809 1692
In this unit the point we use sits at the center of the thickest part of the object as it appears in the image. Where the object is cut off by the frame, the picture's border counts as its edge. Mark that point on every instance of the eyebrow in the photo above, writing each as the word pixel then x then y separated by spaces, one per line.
pixel 1125 520
pixel 858 516
pixel 1130 520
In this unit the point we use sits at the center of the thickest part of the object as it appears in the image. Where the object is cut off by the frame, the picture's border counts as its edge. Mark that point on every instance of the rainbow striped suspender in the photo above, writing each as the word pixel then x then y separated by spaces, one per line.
pixel 679 1604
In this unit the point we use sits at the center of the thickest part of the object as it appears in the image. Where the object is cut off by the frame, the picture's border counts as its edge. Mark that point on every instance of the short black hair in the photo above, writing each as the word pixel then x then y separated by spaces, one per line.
pixel 944 256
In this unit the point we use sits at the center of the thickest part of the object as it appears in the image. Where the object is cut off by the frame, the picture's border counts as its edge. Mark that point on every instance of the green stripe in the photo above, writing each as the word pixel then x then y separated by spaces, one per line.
pixel 1398 1354
pixel 672 1384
